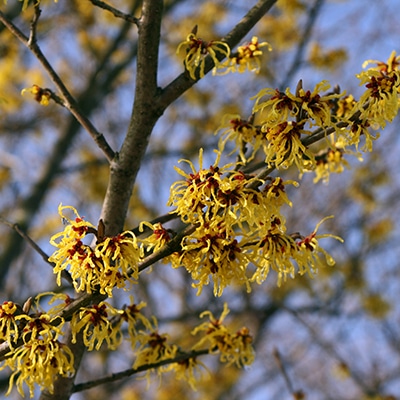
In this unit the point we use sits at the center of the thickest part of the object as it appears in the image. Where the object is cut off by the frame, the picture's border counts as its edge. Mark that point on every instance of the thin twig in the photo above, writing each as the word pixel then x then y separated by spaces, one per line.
pixel 69 101
pixel 277 355
pixel 329 349
pixel 171 247
pixel 117 13
pixel 312 16
pixel 34 245
pixel 129 372
pixel 34 22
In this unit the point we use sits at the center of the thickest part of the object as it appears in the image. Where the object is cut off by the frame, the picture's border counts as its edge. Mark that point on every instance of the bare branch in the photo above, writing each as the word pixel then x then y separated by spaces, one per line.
pixel 145 114
pixel 312 16
pixel 117 13
pixel 69 101
pixel 129 372
pixel 281 366
pixel 34 22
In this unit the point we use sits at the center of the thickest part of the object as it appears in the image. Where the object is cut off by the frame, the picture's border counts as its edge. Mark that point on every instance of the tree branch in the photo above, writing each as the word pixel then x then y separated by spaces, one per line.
pixel 69 101
pixel 129 372
pixel 126 165
pixel 183 82
pixel 117 13
pixel 99 84
pixel 312 17
pixel 34 245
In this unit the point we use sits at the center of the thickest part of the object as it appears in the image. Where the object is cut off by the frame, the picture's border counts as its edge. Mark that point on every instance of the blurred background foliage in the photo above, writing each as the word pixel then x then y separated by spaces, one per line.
pixel 335 336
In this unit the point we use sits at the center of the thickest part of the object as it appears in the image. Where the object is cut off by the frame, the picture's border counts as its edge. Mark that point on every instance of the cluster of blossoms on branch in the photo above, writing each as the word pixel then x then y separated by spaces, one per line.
pixel 37 356
pixel 113 262
pixel 246 58
pixel 238 231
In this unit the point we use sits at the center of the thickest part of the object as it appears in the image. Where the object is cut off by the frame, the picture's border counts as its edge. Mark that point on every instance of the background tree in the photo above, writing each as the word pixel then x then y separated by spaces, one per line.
pixel 119 99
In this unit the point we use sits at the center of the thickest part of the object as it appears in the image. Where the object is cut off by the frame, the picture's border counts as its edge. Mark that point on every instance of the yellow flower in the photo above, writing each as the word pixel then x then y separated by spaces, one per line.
pixel 241 132
pixel 233 347
pixel 197 51
pixel 380 102
pixel 274 106
pixel 96 326
pixel 392 64
pixel 214 194
pixel 113 261
pixel 286 148
pixel 275 250
pixel 42 327
pixel 346 107
pixel 153 347
pixel 186 370
pixel 212 253
pixel 307 252
pixel 42 96
pixel 71 250
pixel 357 131
pixel 56 309
pixel 74 229
pixel 213 328
pixel 236 348
pixel 247 57
pixel 283 252
pixel 160 237
pixel 314 106
pixel 275 191
pixel 39 362
pixel 328 162
pixel 305 106
pixel 8 323
pixel 198 193
pixel 133 316
pixel 119 257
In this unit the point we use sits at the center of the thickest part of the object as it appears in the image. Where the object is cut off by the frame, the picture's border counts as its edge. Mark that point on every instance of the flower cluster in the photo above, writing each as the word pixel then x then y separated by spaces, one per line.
pixel 287 122
pixel 96 326
pixel 38 363
pixel 152 347
pixel 237 233
pixel 103 324
pixel 240 232
pixel 244 133
pixel 36 354
pixel 287 118
pixel 197 51
pixel 233 347
pixel 246 58
pixel 211 252
pixel 285 253
pixel 380 102
pixel 112 262
pixel 42 96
